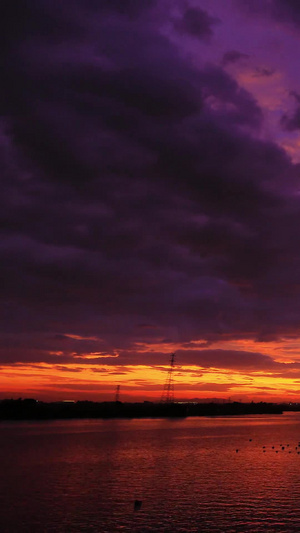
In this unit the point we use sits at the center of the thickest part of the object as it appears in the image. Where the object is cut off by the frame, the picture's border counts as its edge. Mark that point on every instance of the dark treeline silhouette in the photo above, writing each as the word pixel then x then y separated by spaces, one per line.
pixel 30 409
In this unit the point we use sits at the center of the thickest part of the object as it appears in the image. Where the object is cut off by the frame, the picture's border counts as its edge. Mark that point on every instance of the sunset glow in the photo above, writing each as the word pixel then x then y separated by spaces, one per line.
pixel 272 373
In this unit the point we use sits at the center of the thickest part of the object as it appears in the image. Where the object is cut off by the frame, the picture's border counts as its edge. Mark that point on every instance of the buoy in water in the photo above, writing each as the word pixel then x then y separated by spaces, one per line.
pixel 137 505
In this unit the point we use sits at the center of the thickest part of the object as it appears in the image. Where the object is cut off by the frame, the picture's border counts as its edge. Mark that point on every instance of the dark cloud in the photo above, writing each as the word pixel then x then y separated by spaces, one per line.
pixel 124 7
pixel 214 360
pixel 284 11
pixel 288 10
pixel 62 368
pixel 139 203
pixel 233 56
pixel 197 23
pixel 220 387
pixel 263 72
pixel 292 122
pixel 48 22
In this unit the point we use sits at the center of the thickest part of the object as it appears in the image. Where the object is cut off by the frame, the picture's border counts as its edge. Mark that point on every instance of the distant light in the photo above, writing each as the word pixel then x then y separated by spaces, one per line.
pixel 68 401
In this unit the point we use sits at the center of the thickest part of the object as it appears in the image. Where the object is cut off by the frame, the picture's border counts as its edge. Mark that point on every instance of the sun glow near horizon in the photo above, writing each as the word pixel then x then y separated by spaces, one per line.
pixel 273 378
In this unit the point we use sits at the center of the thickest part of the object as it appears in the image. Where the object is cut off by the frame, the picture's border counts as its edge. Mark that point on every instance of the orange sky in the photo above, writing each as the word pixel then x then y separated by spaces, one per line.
pixel 141 382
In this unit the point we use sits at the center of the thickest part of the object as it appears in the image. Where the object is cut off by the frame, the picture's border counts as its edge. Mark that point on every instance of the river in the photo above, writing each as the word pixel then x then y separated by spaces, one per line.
pixel 84 475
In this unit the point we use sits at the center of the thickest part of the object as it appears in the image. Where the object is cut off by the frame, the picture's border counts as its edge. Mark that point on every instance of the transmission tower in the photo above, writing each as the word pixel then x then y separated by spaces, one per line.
pixel 168 392
pixel 117 396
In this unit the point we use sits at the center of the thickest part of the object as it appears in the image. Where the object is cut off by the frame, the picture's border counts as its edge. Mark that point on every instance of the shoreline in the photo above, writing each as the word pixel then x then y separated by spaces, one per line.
pixel 30 409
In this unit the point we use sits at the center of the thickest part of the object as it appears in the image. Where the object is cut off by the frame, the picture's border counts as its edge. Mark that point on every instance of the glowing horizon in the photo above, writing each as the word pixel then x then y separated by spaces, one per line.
pixel 274 374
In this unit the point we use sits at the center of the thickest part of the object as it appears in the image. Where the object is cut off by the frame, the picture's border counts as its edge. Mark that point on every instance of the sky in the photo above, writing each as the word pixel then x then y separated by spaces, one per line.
pixel 150 199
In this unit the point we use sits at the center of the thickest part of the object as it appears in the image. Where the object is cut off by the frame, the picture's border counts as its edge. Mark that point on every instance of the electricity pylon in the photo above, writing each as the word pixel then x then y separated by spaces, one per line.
pixel 117 397
pixel 168 392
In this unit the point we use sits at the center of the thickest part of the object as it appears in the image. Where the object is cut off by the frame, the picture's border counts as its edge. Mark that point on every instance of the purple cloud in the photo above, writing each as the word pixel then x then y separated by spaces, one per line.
pixel 137 189
pixel 284 11
pixel 292 122
pixel 233 56
pixel 197 23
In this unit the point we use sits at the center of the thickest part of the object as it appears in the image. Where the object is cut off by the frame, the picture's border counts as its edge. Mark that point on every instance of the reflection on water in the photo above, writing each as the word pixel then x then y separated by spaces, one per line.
pixel 66 476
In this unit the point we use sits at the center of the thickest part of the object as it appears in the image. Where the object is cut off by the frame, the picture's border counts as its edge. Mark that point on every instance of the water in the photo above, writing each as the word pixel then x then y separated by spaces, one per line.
pixel 69 476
